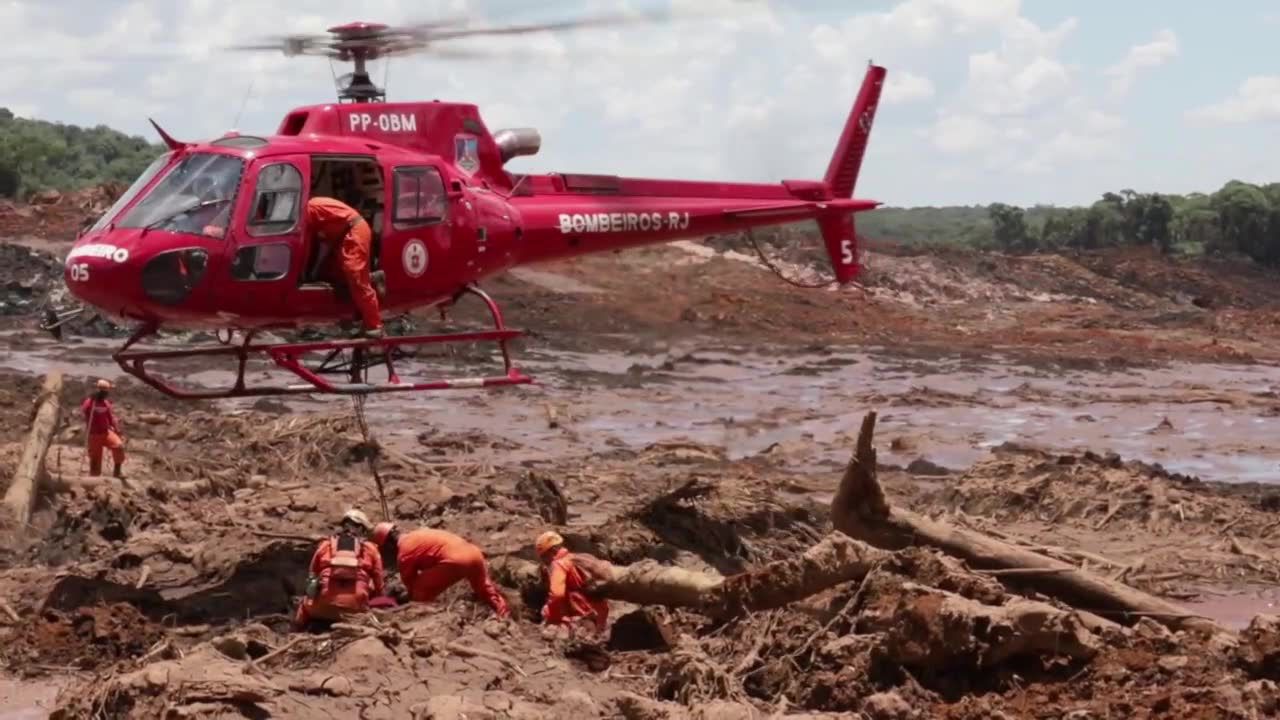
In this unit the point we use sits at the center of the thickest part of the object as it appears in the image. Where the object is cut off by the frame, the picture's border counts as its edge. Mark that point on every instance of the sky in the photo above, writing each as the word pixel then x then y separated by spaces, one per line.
pixel 1033 102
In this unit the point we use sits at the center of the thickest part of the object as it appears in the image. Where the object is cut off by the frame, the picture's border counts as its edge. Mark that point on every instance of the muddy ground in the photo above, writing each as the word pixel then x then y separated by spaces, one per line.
pixel 1114 410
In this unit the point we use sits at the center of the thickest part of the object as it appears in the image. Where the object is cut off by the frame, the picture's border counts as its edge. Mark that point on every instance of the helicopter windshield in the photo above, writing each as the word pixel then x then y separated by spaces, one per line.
pixel 155 167
pixel 195 197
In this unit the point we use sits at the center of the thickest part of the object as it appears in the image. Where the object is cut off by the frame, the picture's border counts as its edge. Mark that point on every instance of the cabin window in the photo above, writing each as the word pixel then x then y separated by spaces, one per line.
pixel 275 205
pixel 195 196
pixel 261 262
pixel 147 175
pixel 420 196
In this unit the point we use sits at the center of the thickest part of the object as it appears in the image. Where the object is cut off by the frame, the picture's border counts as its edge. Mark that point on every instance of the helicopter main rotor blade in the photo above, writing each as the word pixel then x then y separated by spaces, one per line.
pixel 599 21
pixel 420 36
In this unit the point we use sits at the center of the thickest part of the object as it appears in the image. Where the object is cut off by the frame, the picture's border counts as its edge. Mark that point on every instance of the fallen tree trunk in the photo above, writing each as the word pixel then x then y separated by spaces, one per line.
pixel 21 495
pixel 919 623
pixel 861 510
pixel 835 560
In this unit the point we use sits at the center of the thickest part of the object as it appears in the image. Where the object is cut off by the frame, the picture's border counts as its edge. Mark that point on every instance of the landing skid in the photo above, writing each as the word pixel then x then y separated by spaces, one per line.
pixel 349 358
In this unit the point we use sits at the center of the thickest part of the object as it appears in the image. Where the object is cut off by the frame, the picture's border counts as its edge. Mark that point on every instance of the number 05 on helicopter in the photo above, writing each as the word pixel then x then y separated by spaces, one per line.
pixel 212 235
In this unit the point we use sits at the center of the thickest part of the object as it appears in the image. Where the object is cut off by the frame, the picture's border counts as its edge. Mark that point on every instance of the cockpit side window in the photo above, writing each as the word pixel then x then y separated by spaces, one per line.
pixel 155 167
pixel 420 196
pixel 195 196
pixel 275 205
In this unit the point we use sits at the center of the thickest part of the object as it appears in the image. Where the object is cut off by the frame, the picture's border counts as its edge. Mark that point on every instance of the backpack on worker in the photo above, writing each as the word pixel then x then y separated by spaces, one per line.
pixel 344 566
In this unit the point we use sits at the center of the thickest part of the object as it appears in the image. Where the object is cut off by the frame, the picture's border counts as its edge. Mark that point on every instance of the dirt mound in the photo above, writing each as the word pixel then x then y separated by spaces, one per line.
pixel 87 638
pixel 1204 282
pixel 1220 529
pixel 229 448
pixel 1101 491
pixel 57 215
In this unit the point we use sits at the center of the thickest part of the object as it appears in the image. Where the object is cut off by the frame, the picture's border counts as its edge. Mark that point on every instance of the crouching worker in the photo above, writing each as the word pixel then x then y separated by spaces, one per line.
pixel 346 571
pixel 430 561
pixel 566 581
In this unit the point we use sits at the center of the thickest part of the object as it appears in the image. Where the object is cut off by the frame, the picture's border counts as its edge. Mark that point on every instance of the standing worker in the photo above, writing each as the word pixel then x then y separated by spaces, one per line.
pixel 341 232
pixel 102 431
pixel 565 597
pixel 431 560
pixel 346 571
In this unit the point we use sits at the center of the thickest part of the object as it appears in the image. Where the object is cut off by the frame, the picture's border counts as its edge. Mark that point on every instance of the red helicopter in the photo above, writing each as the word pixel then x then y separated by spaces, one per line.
pixel 211 236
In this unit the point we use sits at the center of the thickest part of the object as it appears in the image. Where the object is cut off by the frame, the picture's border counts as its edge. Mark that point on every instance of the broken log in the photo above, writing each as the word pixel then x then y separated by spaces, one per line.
pixel 835 560
pixel 21 495
pixel 919 623
pixel 545 496
pixel 860 510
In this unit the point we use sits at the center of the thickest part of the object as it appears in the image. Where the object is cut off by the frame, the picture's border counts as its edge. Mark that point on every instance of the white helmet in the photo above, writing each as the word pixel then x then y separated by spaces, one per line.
pixel 357 518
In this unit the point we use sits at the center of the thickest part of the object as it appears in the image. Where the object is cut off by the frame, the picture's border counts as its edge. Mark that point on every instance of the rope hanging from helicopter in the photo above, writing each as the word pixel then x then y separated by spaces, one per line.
pixel 371 450
pixel 755 244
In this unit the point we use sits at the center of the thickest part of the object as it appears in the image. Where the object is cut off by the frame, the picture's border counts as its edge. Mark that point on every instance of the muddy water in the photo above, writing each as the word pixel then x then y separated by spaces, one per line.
pixel 1221 419
pixel 27 699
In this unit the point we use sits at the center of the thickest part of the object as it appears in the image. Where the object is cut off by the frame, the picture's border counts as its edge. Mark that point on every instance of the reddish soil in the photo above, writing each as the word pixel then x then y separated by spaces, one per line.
pixel 173 586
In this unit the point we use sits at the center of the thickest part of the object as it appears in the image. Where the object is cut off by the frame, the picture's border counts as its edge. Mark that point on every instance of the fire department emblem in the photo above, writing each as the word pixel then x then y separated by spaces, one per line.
pixel 467 153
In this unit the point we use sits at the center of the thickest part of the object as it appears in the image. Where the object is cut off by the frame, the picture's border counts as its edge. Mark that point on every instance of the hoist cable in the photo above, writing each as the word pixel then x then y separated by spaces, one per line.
pixel 372 450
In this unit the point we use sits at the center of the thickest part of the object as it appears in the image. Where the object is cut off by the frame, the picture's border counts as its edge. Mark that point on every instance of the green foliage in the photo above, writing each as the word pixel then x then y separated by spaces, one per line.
pixel 1240 218
pixel 38 155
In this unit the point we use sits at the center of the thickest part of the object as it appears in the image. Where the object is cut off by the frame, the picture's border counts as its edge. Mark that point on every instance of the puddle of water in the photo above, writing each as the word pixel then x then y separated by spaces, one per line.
pixel 1237 610
pixel 27 699
pixel 953 410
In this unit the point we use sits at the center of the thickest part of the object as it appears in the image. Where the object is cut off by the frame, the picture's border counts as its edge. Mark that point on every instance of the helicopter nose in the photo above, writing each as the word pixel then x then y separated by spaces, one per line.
pixel 119 278
pixel 94 272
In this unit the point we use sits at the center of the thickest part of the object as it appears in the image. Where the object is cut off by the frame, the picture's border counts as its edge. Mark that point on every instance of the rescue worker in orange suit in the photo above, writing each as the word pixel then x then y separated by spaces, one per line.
pixel 101 430
pixel 346 572
pixel 566 581
pixel 344 236
pixel 431 560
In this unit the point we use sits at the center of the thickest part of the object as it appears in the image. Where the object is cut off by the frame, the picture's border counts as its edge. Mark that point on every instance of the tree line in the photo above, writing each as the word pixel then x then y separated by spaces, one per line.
pixel 1240 218
pixel 38 155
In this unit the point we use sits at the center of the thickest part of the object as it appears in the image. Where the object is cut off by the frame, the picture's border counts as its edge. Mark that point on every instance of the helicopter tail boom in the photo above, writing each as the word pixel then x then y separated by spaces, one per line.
pixel 573 214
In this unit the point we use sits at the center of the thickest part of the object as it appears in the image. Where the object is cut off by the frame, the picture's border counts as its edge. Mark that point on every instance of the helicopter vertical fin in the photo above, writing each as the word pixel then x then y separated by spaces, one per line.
pixel 838 231
pixel 842 172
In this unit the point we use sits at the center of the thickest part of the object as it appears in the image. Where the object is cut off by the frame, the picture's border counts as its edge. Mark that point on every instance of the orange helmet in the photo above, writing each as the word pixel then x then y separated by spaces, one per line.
pixel 547 541
pixel 381 531
pixel 104 384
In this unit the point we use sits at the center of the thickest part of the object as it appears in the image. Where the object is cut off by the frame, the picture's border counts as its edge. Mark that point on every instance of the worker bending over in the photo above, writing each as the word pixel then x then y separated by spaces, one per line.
pixel 102 431
pixel 566 582
pixel 431 560
pixel 341 233
pixel 346 571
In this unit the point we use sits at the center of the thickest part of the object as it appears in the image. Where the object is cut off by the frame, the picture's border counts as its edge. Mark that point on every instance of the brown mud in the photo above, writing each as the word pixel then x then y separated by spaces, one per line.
pixel 1114 410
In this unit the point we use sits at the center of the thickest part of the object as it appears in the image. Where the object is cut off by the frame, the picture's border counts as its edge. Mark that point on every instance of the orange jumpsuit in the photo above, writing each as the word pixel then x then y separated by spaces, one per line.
pixel 338 597
pixel 432 560
pixel 103 433
pixel 565 599
pixel 350 241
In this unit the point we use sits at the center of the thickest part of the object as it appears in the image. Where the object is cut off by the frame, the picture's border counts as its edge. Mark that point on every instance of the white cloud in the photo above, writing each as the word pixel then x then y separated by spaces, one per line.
pixel 1257 99
pixel 976 91
pixel 904 87
pixel 1162 48
pixel 1019 110
pixel 963 134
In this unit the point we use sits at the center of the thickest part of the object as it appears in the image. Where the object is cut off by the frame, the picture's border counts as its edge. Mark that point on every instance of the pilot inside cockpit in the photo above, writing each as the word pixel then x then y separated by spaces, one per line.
pixel 213 204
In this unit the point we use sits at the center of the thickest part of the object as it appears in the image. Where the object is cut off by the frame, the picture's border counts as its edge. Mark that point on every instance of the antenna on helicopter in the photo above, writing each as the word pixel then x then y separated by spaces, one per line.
pixel 361 42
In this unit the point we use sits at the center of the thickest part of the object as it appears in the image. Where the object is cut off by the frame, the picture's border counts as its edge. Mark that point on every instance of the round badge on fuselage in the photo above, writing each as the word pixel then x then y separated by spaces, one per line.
pixel 414 258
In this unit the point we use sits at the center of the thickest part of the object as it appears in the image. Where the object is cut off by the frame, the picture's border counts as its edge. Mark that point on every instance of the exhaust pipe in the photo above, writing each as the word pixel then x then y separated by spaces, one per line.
pixel 514 142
